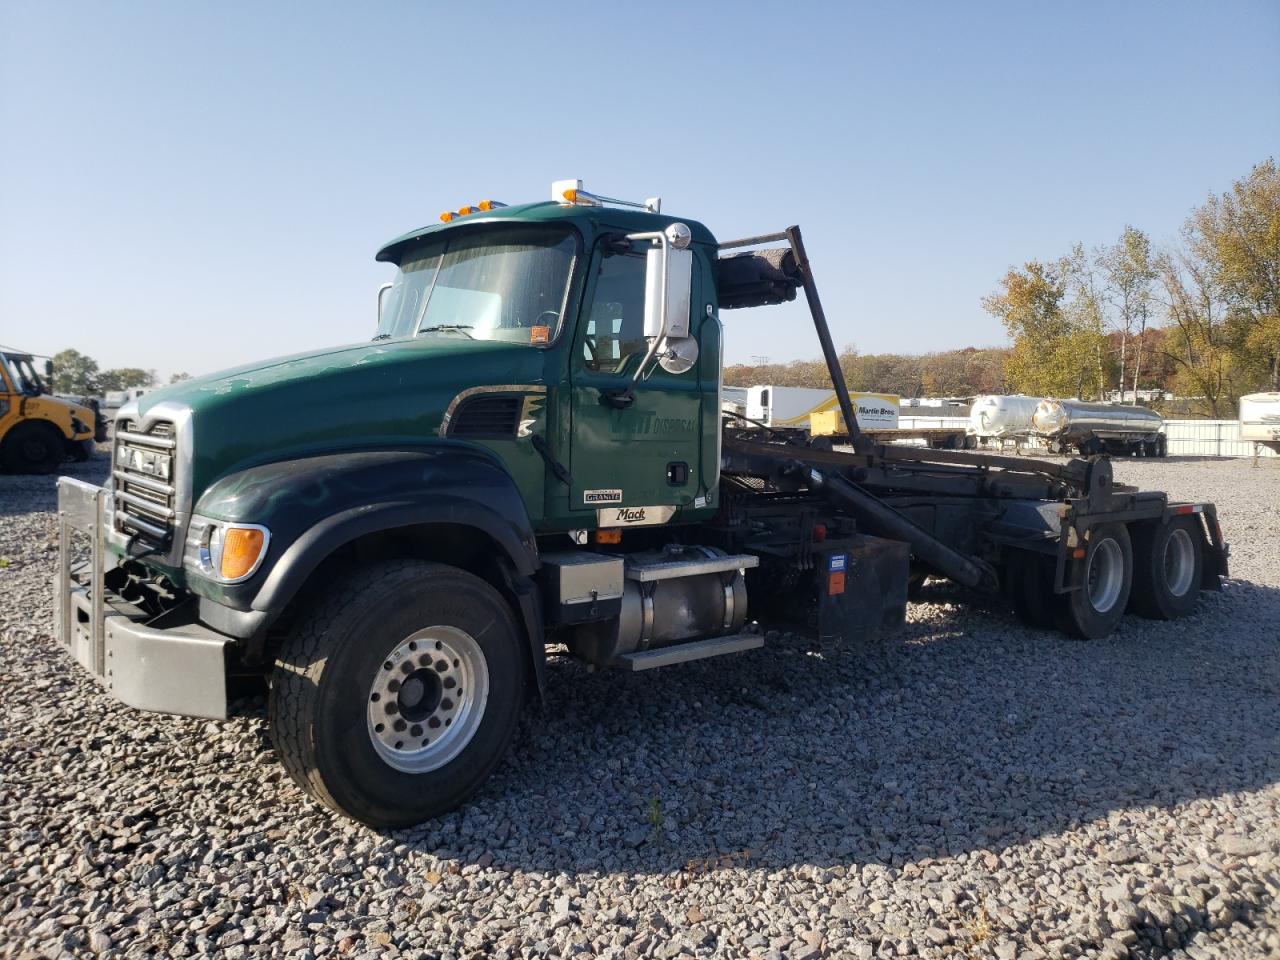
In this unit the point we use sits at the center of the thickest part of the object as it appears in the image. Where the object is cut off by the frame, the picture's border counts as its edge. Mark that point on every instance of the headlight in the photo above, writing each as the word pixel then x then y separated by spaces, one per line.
pixel 226 552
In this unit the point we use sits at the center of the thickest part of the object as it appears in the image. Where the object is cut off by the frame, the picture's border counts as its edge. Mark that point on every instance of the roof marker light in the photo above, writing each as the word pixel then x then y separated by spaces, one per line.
pixel 570 193
pixel 448 215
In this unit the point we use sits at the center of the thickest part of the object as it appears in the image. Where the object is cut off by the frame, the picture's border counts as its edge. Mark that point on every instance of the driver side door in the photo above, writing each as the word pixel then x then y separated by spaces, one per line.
pixel 635 445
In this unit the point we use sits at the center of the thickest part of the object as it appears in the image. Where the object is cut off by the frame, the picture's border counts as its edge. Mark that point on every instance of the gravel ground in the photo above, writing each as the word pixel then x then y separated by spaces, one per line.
pixel 966 788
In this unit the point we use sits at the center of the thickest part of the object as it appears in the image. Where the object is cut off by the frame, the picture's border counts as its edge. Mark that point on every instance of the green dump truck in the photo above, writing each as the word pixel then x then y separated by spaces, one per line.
pixel 530 451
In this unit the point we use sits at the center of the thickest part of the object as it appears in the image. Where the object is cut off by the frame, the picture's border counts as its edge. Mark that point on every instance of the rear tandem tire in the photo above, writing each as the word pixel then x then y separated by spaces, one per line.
pixel 1106 571
pixel 1030 590
pixel 1168 560
pixel 435 649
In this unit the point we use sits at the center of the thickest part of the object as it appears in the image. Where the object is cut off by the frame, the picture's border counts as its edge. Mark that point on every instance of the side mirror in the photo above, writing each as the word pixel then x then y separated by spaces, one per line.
pixel 668 284
pixel 668 288
pixel 382 295
pixel 668 280
pixel 48 369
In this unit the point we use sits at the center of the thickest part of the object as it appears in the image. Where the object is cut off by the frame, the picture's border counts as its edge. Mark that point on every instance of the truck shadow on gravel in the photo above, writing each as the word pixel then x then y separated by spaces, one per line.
pixel 965 732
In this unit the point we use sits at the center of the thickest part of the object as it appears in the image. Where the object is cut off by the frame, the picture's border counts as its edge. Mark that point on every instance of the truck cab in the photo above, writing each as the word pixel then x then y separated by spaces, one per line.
pixel 39 431
pixel 528 452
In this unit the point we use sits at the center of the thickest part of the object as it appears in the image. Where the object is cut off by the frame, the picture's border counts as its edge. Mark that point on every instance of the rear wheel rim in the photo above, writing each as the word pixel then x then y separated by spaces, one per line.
pixel 427 699
pixel 1179 562
pixel 1106 575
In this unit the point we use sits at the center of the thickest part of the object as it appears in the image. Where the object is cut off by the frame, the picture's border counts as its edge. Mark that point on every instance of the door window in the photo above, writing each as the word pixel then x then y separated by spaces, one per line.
pixel 615 326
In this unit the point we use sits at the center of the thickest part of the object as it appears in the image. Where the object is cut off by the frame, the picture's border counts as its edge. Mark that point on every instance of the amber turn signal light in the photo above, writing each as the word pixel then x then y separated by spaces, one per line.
pixel 241 548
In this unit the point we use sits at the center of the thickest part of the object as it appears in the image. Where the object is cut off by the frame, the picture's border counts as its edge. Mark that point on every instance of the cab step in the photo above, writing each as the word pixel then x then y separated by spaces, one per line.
pixel 685 652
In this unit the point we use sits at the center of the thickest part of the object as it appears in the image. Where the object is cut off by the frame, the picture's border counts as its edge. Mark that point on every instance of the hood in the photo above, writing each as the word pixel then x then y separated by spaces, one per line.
pixel 382 394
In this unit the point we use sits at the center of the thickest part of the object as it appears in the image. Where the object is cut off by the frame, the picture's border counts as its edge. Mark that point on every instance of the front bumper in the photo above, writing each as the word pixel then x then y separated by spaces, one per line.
pixel 180 668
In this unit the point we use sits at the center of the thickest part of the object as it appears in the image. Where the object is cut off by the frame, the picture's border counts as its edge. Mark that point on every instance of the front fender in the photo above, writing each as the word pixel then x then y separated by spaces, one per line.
pixel 314 505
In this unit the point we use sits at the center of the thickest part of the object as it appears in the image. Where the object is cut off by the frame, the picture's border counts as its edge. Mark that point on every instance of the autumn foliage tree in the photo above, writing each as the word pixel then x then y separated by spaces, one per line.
pixel 1235 238
pixel 1056 342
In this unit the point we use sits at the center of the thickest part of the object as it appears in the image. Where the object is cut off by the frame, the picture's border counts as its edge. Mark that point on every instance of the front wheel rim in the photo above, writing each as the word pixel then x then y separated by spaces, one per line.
pixel 1179 562
pixel 1106 575
pixel 427 699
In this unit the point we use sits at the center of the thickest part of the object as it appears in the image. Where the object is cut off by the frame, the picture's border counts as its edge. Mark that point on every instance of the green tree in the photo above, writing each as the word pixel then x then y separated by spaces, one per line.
pixel 179 377
pixel 125 378
pixel 1199 338
pixel 74 373
pixel 1130 275
pixel 1237 238
pixel 1053 354
pixel 1085 312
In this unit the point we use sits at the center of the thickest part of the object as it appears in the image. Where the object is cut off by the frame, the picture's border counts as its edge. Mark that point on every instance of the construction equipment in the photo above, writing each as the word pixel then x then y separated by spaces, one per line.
pixel 39 431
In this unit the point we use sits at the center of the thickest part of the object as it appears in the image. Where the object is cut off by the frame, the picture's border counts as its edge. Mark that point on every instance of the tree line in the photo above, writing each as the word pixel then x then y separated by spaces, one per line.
pixel 79 375
pixel 1199 319
pixel 950 373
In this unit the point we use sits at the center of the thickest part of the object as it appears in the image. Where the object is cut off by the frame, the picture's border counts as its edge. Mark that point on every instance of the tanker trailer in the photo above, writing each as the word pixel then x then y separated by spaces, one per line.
pixel 1260 419
pixel 993 419
pixel 1094 428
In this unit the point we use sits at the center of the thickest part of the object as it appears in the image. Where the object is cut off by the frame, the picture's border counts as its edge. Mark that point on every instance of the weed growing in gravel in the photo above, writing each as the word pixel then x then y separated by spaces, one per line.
pixel 700 867
pixel 978 927
pixel 654 814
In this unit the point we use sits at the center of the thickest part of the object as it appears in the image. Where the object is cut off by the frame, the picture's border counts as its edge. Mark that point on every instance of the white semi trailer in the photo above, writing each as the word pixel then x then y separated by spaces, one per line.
pixel 1093 428
pixel 791 407
pixel 1260 419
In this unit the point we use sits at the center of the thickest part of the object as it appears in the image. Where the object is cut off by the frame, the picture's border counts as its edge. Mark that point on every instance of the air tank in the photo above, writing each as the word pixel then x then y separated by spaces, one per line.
pixel 1073 421
pixel 1001 416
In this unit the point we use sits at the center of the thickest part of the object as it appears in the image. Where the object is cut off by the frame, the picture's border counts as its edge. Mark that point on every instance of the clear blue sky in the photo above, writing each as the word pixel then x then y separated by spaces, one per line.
pixel 186 186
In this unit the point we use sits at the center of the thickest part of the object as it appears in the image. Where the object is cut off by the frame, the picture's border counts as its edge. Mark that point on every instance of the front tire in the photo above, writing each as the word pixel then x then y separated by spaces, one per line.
pixel 1094 609
pixel 33 447
pixel 396 699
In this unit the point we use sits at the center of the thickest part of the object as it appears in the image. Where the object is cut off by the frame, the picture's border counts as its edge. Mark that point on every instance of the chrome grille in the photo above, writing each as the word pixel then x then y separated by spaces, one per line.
pixel 143 465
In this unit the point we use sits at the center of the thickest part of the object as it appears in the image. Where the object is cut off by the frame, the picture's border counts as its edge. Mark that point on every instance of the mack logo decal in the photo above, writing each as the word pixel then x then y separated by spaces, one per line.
pixel 601 496
pixel 144 461
pixel 634 516
pixel 835 562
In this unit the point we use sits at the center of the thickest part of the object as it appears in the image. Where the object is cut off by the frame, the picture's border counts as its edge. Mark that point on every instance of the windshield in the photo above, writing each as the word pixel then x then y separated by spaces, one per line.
pixel 22 374
pixel 505 283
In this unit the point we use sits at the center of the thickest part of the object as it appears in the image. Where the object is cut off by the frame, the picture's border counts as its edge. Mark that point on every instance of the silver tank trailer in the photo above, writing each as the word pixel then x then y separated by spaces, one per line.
pixel 1095 427
pixel 1001 417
